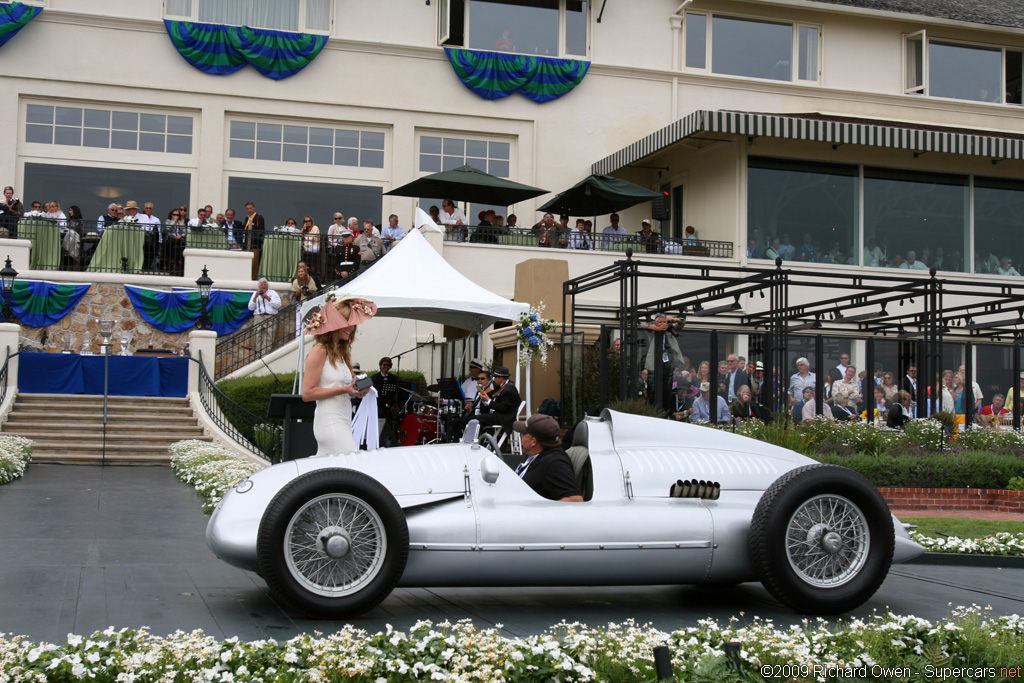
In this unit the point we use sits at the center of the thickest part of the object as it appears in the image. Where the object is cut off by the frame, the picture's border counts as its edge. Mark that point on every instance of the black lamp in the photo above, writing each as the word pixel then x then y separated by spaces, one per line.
pixel 204 283
pixel 7 276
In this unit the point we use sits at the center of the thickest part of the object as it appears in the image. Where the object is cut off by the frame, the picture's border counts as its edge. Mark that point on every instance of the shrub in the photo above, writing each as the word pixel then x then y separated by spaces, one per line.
pixel 1016 484
pixel 253 392
pixel 635 406
pixel 15 455
pixel 944 470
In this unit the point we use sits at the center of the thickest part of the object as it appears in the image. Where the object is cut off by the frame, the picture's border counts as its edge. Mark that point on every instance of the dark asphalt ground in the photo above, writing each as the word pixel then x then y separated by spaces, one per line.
pixel 83 548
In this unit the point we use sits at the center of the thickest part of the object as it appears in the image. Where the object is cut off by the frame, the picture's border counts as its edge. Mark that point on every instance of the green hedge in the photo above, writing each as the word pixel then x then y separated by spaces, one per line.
pixel 978 469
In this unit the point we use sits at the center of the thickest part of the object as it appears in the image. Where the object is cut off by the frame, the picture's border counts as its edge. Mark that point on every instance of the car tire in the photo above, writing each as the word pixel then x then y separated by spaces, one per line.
pixel 333 543
pixel 821 539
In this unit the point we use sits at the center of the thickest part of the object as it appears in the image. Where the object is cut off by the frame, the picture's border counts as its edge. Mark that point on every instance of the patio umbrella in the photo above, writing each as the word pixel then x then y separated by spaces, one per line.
pixel 597 195
pixel 468 184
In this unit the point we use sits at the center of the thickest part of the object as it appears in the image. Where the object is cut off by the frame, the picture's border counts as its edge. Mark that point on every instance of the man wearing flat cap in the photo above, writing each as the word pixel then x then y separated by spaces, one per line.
pixel 500 404
pixel 547 468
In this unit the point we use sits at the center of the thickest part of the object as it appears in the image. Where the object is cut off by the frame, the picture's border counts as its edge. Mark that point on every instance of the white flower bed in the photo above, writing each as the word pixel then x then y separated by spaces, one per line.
pixel 15 455
pixel 1001 543
pixel 212 470
pixel 883 647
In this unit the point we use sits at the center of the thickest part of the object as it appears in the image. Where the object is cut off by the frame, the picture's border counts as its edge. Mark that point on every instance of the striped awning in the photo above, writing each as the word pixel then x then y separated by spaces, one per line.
pixel 820 128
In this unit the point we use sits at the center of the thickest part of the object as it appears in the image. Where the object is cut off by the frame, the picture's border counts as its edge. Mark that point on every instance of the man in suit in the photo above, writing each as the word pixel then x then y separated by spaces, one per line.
pixel 547 468
pixel 254 230
pixel 500 405
pixel 386 385
pixel 735 378
pixel 232 228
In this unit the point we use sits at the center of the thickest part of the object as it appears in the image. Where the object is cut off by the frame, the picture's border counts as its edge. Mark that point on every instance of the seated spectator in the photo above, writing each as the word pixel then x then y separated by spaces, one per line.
pixel 900 412
pixel 806 251
pixel 682 401
pixel 690 235
pixel 774 250
pixel 992 414
pixel 873 254
pixel 810 409
pixel 744 408
pixel 842 411
pixel 650 241
pixel 881 404
pixel 579 237
pixel 702 408
pixel 511 223
pixel 787 250
pixel 1006 267
pixel 392 233
pixel 912 263
pixel 453 219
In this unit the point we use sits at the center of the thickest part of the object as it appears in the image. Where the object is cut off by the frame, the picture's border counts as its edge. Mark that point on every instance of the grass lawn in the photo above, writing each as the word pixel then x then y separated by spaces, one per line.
pixel 936 527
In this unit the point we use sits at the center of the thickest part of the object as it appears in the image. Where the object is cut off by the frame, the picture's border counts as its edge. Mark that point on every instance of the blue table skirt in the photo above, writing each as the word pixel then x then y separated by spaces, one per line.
pixel 59 373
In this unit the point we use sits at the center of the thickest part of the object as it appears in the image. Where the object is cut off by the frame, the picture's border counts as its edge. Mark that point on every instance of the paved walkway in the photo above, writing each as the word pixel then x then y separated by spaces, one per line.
pixel 83 548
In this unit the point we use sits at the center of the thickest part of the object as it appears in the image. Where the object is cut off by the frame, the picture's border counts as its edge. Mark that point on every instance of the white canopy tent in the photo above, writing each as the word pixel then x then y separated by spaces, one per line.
pixel 414 281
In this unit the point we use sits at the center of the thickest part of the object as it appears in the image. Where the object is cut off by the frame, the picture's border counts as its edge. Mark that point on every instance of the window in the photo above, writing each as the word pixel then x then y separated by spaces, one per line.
pixel 998 225
pixel 279 200
pixel 738 46
pixel 539 27
pixel 108 129
pixel 92 189
pixel 306 144
pixel 283 15
pixel 961 71
pixel 810 208
pixel 911 216
pixel 445 153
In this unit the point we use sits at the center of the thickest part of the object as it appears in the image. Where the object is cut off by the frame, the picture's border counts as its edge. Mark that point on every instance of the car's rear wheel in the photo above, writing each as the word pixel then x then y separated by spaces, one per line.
pixel 821 539
pixel 333 543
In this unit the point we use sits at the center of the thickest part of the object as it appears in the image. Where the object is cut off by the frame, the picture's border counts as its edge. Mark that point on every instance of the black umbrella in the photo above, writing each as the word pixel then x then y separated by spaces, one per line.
pixel 597 195
pixel 468 184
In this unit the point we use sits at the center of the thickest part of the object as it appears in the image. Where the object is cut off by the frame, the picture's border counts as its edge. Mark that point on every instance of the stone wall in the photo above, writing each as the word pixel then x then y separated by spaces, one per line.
pixel 103 301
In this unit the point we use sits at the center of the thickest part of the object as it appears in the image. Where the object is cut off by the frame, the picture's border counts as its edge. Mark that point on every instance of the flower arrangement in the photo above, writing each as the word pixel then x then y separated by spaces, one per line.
pixel 531 333
pixel 15 455
pixel 129 221
pixel 879 647
pixel 211 469
pixel 287 229
pixel 208 224
pixel 34 214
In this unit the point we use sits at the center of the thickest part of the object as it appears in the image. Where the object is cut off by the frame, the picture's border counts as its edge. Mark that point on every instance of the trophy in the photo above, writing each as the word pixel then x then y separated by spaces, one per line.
pixel 67 343
pixel 126 340
pixel 106 330
pixel 87 344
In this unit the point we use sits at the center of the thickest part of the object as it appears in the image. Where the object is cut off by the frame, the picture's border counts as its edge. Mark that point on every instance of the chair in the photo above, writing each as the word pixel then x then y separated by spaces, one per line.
pixel 501 436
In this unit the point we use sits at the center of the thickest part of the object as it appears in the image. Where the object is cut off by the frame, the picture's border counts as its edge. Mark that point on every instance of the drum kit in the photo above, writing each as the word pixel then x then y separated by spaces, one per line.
pixel 427 419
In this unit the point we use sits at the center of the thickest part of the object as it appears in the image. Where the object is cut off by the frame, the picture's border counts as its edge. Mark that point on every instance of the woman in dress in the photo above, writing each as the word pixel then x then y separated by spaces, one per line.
pixel 328 377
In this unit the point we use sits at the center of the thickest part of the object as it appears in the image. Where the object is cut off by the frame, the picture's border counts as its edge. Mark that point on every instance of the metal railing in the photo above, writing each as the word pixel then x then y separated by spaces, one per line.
pixel 568 239
pixel 241 426
pixel 4 374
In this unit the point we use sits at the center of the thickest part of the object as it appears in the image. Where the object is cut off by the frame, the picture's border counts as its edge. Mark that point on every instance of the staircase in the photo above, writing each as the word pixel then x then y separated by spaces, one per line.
pixel 68 428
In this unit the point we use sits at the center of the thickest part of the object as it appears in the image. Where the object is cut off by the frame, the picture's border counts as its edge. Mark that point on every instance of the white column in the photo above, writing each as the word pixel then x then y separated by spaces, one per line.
pixel 202 345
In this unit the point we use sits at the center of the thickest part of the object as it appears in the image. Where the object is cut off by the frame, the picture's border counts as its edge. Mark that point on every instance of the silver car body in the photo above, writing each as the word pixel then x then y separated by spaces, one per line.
pixel 473 522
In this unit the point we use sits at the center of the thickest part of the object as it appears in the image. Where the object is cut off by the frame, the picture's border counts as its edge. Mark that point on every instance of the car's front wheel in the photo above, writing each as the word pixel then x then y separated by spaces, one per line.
pixel 821 539
pixel 333 543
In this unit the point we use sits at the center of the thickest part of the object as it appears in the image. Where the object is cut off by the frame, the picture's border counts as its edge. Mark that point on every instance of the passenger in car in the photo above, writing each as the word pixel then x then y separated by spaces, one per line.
pixel 547 469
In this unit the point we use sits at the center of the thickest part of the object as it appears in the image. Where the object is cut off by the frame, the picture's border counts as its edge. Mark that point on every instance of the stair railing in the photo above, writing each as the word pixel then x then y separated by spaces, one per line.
pixel 243 427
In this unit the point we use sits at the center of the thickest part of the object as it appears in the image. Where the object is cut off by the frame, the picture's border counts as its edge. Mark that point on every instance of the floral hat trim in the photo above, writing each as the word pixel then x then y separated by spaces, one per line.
pixel 329 318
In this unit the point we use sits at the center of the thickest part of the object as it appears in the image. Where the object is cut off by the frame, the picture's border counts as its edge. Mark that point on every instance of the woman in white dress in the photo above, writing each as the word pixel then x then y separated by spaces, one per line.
pixel 328 377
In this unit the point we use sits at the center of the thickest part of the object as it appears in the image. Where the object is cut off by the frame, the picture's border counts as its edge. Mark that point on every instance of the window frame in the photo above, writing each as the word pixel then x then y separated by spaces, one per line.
pixel 708 68
pixel 193 16
pixel 372 171
pixel 445 37
pixel 923 89
pixel 466 136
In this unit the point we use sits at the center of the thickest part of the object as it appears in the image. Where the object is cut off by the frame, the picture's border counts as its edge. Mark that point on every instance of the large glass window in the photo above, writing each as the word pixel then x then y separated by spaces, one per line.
pixel 439 153
pixel 962 71
pixel 283 15
pixel 550 28
pixel 916 219
pixel 998 226
pixel 752 47
pixel 278 200
pixel 802 211
pixel 93 189
pixel 108 129
pixel 306 144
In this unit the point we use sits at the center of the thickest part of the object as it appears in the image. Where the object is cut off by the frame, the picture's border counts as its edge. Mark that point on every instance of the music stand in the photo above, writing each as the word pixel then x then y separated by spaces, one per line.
pixel 449 389
pixel 299 440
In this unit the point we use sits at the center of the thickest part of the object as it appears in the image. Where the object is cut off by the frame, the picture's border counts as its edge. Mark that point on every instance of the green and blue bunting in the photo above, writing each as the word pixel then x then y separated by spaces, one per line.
pixel 220 50
pixel 177 311
pixel 13 18
pixel 493 75
pixel 38 303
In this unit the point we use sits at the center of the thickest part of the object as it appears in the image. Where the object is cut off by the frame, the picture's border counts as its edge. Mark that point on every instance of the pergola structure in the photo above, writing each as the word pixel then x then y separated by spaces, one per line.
pixel 922 310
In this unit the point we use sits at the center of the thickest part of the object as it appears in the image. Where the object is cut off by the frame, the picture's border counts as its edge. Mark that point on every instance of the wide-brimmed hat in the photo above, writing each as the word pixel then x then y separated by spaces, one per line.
pixel 476 363
pixel 130 204
pixel 329 317
pixel 705 386
pixel 544 428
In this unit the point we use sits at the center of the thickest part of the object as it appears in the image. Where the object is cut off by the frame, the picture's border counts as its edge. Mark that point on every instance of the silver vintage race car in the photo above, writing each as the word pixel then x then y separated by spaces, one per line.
pixel 665 503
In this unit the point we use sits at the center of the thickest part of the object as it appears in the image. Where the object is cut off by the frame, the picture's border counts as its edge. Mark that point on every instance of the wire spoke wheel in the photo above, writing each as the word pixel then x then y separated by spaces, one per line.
pixel 827 540
pixel 334 545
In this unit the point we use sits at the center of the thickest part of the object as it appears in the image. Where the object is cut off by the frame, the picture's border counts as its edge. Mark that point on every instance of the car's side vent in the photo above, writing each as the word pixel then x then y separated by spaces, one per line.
pixel 693 488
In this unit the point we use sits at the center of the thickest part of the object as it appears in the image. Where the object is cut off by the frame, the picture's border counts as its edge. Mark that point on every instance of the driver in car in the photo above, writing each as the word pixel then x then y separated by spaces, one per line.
pixel 547 469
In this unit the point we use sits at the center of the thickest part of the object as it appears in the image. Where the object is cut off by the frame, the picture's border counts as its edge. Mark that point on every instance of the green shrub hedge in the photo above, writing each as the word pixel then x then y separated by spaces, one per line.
pixel 978 469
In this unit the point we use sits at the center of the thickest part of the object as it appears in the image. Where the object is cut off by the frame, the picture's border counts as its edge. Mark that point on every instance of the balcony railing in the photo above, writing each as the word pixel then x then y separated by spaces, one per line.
pixel 568 239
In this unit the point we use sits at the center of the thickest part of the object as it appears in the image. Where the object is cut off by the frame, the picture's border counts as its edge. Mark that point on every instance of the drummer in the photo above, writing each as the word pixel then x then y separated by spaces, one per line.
pixel 469 386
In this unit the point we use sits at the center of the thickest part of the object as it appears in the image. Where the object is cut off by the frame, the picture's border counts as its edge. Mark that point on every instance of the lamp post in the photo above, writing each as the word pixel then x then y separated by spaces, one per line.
pixel 204 283
pixel 7 277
